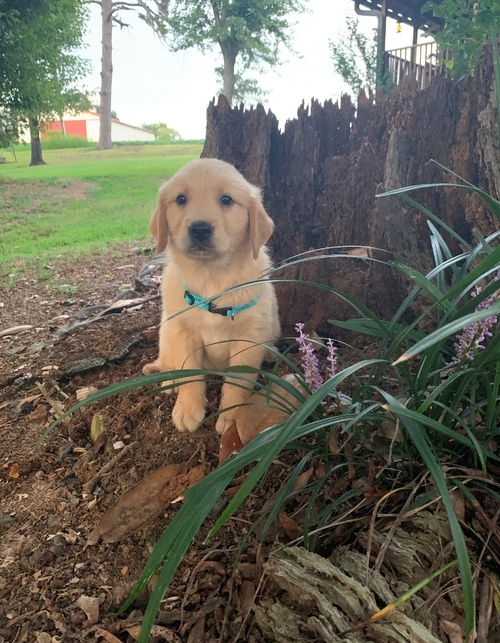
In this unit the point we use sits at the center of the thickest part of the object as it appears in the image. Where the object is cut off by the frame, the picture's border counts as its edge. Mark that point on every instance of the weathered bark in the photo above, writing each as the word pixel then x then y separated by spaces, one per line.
pixel 105 142
pixel 62 124
pixel 229 56
pixel 321 175
pixel 36 145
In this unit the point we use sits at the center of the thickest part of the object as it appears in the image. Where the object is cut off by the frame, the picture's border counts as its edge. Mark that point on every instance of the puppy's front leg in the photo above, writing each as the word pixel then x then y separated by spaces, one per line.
pixel 236 391
pixel 162 362
pixel 189 409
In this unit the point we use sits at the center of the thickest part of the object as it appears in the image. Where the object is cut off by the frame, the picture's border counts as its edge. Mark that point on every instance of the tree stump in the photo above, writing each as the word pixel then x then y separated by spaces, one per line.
pixel 322 173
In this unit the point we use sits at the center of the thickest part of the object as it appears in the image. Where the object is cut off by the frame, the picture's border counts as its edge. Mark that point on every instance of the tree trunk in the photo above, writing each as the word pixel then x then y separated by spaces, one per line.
pixel 105 142
pixel 229 54
pixel 36 146
pixel 62 124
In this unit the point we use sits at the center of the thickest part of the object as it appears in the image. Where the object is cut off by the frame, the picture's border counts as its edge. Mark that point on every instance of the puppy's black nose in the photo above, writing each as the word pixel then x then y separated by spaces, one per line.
pixel 200 230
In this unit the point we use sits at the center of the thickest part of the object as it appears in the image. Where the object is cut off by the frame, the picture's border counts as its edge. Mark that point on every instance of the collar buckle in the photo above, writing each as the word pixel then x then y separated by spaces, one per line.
pixel 225 311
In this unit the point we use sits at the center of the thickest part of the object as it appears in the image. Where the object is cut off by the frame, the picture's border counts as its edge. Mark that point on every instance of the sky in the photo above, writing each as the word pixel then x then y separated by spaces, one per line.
pixel 153 85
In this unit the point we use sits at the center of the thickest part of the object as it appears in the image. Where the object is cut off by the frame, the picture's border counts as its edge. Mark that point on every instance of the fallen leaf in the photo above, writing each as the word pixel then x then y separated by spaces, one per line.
pixel 289 526
pixel 144 502
pixel 333 442
pixel 84 392
pixel 180 483
pixel 232 491
pixel 96 426
pixel 197 631
pixel 156 630
pixel 14 471
pixel 247 595
pixel 107 636
pixel 89 605
pixel 452 630
pixel 230 443
pixel 28 401
pixel 259 413
pixel 302 480
pixel 338 487
pixel 458 503
pixel 135 507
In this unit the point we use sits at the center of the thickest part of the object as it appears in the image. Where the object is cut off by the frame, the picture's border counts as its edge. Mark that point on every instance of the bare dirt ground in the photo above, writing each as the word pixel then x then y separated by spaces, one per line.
pixel 54 585
pixel 51 492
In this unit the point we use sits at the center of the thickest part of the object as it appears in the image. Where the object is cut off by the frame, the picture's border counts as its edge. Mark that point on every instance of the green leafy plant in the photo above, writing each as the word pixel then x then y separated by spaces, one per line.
pixel 467 26
pixel 354 57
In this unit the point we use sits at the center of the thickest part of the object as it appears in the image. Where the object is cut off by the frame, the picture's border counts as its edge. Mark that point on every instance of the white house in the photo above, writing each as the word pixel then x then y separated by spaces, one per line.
pixel 86 125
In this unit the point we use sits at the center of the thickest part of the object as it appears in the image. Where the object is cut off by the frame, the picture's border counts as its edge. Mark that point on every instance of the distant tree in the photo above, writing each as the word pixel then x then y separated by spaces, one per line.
pixel 163 132
pixel 153 12
pixel 354 57
pixel 9 129
pixel 39 72
pixel 246 90
pixel 249 30
pixel 468 24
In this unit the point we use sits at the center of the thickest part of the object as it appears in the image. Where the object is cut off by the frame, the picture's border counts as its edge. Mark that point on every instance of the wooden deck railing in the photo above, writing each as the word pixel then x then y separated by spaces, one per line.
pixel 420 62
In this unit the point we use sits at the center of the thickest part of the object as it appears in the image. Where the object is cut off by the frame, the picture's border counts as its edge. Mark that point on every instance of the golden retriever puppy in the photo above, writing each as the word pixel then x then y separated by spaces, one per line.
pixel 214 227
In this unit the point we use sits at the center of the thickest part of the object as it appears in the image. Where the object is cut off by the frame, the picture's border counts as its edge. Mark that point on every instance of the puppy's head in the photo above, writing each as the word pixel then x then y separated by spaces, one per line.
pixel 208 210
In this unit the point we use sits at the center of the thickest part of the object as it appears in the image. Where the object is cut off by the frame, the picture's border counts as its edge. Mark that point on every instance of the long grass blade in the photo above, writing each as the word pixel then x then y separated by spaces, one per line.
pixel 445 331
pixel 418 435
pixel 489 200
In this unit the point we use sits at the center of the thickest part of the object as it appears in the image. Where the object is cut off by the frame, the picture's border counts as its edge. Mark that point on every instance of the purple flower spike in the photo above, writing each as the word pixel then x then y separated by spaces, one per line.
pixel 333 362
pixel 309 363
pixel 472 338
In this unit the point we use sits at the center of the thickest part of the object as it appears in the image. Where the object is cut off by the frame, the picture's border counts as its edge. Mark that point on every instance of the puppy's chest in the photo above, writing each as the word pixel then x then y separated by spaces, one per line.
pixel 216 334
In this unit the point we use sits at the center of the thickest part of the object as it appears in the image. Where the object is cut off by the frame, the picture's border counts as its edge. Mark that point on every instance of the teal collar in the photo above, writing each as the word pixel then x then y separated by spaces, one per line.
pixel 225 311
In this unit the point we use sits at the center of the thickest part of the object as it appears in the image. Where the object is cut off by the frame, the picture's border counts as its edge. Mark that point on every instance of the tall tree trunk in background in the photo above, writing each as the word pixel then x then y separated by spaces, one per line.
pixel 229 54
pixel 62 124
pixel 105 142
pixel 36 146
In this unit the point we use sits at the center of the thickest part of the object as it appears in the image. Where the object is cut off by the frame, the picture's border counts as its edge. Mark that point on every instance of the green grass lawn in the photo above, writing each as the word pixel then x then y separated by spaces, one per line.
pixel 82 200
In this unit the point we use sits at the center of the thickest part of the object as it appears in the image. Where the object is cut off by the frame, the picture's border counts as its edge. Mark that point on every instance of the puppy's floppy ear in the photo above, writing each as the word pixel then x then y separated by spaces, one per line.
pixel 261 224
pixel 158 225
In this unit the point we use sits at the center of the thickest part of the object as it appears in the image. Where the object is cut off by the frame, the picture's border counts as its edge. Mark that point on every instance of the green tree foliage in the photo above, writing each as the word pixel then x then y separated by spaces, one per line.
pixel 9 130
pixel 39 71
pixel 163 132
pixel 98 109
pixel 247 31
pixel 468 24
pixel 246 89
pixel 354 57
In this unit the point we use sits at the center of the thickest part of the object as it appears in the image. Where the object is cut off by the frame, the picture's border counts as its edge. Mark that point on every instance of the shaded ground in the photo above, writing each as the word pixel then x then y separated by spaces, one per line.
pixel 46 516
pixel 54 586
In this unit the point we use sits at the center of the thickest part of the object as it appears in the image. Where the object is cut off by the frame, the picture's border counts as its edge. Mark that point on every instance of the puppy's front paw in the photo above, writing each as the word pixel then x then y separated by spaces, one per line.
pixel 155 367
pixel 224 421
pixel 187 417
pixel 152 367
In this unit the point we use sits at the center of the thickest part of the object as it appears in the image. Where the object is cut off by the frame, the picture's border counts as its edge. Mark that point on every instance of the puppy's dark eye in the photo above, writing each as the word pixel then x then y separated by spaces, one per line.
pixel 181 199
pixel 226 200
